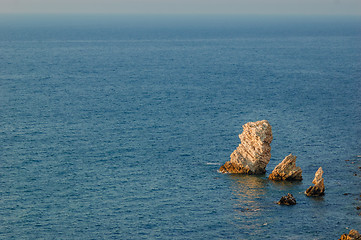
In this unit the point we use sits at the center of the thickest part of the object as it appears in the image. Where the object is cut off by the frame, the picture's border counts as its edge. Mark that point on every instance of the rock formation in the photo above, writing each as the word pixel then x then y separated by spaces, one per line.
pixel 319 188
pixel 287 170
pixel 254 152
pixel 287 200
pixel 353 235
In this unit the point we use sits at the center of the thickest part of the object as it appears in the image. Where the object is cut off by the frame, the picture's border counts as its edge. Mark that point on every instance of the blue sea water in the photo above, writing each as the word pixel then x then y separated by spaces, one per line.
pixel 114 127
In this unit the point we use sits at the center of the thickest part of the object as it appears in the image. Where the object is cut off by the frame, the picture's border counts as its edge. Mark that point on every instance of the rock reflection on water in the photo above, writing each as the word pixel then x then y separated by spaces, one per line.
pixel 249 193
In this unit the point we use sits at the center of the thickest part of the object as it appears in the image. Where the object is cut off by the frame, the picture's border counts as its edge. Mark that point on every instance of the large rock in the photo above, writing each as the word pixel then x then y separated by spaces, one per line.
pixel 289 199
pixel 254 152
pixel 353 235
pixel 319 188
pixel 287 170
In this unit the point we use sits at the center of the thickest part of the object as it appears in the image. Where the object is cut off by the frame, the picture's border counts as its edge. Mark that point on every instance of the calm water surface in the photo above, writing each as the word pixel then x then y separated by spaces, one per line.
pixel 114 127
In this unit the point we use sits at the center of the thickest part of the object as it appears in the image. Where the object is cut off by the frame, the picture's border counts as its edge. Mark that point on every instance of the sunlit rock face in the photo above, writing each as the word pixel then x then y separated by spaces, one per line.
pixel 287 170
pixel 319 188
pixel 254 152
pixel 353 235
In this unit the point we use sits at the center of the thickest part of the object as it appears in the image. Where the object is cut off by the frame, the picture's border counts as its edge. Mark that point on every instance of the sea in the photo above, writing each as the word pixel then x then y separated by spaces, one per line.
pixel 115 126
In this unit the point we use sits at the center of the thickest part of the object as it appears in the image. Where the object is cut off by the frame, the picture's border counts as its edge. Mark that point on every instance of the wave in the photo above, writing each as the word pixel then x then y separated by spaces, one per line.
pixel 209 163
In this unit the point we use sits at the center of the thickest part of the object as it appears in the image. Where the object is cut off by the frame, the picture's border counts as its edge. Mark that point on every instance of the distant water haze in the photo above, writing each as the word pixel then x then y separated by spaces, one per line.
pixel 323 7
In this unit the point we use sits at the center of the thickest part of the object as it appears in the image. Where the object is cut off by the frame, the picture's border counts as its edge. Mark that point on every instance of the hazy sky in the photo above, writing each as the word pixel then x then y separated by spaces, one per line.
pixel 348 7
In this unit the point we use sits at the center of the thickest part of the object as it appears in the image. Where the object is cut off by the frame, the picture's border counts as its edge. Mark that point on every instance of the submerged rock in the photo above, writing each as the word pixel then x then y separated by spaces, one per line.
pixel 352 235
pixel 287 170
pixel 319 188
pixel 289 199
pixel 254 152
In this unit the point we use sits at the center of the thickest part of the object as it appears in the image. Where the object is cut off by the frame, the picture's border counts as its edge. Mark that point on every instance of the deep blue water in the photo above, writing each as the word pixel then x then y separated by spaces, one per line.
pixel 113 127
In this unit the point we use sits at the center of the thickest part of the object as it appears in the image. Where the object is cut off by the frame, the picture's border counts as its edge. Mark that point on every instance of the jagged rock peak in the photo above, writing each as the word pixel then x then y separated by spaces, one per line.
pixel 319 188
pixel 318 177
pixel 287 170
pixel 254 152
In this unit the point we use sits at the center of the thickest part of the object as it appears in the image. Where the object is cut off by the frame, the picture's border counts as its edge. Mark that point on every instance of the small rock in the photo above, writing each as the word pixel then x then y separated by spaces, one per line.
pixel 353 235
pixel 287 170
pixel 319 188
pixel 287 200
pixel 358 207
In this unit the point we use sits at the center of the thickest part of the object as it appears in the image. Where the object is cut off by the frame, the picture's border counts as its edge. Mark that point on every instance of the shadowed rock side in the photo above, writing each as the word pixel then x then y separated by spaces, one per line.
pixel 254 152
pixel 353 235
pixel 289 199
pixel 287 170
pixel 319 188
